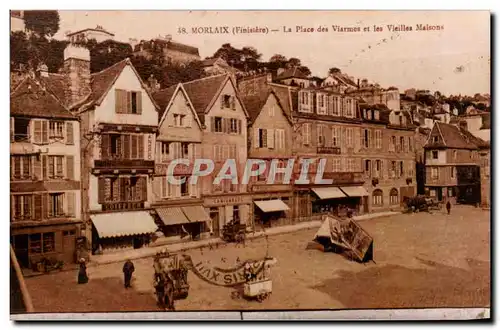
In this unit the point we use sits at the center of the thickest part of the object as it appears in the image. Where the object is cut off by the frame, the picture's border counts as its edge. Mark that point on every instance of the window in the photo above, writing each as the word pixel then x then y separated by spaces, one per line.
pixel 271 111
pixel 218 124
pixel 122 189
pixel 184 150
pixel 368 167
pixel 349 111
pixel 336 106
pixel 184 186
pixel 116 145
pixel 69 232
pixel 306 134
pixel 21 167
pixel 164 151
pixel 401 169
pixel 182 120
pixel 394 196
pixel 304 102
pixel 434 173
pixel 336 163
pixel 56 208
pixel 321 104
pixel 452 172
pixel 280 138
pixel 435 139
pixel 128 102
pixel 21 129
pixel 234 125
pixel 236 212
pixel 262 138
pixel 56 129
pixel 366 139
pixel 392 171
pixel 321 136
pixel 410 144
pixel 378 139
pixel 55 167
pixel 434 154
pixel 376 114
pixel 392 146
pixel 349 137
pixel 335 137
pixel 42 243
pixel 378 167
pixel 227 101
pixel 23 207
pixel 377 197
pixel 402 143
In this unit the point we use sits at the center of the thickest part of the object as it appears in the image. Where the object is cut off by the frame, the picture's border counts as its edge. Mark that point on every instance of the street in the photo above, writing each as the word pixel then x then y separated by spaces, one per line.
pixel 421 260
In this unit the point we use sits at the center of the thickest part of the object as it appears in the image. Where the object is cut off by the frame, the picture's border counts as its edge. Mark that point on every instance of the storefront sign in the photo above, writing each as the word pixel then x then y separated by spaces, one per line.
pixel 270 187
pixel 228 200
pixel 180 169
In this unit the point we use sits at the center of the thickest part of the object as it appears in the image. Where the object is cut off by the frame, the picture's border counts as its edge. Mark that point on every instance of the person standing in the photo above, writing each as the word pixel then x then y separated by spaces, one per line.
pixel 448 206
pixel 128 270
pixel 82 273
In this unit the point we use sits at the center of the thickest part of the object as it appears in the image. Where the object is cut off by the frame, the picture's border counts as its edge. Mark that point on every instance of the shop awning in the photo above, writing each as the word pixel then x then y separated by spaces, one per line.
pixel 355 191
pixel 329 192
pixel 274 205
pixel 195 213
pixel 123 223
pixel 171 215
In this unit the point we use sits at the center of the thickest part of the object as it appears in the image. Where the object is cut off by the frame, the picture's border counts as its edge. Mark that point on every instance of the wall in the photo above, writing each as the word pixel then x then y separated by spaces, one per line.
pixel 441 160
pixel 444 176
pixel 16 24
pixel 105 112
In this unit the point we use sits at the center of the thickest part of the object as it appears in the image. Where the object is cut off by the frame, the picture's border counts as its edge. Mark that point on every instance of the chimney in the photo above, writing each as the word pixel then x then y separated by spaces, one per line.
pixel 43 70
pixel 77 70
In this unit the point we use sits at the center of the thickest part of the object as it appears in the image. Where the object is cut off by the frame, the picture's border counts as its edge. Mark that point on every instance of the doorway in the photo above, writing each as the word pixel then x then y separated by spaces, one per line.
pixel 214 216
pixel 21 248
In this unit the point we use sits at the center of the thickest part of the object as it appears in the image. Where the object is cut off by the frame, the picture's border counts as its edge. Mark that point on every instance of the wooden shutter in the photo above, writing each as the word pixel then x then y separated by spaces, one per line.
pixel 270 138
pixel 45 165
pixel 118 101
pixel 370 138
pixel 45 131
pixel 11 129
pixel 126 146
pixel 38 209
pixel 101 185
pixel 70 139
pixel 45 206
pixel 133 144
pixel 239 126
pixel 222 101
pixel 212 124
pixel 157 186
pixel 37 168
pixel 37 128
pixel 105 146
pixel 256 138
pixel 70 203
pixel 138 97
pixel 70 167
pixel 233 102
pixel 140 141
pixel 128 102
pixel 144 187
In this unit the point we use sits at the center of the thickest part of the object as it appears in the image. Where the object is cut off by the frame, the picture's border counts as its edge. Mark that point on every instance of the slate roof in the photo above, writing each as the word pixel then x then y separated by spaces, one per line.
pixel 294 72
pixel 33 99
pixel 57 84
pixel 163 97
pixel 202 91
pixel 455 137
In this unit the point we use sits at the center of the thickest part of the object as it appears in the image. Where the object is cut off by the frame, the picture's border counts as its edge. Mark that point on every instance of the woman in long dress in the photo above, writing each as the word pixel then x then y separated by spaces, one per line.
pixel 82 273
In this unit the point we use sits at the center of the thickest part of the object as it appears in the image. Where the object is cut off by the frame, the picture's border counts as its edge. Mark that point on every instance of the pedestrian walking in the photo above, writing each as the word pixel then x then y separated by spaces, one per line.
pixel 448 207
pixel 128 270
pixel 159 284
pixel 82 273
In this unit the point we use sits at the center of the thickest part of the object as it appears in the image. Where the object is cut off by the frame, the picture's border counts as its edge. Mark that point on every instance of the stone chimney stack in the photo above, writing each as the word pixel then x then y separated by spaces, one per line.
pixel 77 70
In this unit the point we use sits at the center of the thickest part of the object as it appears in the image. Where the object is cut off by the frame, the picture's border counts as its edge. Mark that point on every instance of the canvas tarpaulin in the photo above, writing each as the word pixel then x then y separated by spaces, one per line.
pixel 345 236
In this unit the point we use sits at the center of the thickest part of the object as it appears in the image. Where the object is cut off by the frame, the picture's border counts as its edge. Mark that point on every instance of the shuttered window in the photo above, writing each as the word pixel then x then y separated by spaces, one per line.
pixel 69 133
pixel 70 167
pixel 128 102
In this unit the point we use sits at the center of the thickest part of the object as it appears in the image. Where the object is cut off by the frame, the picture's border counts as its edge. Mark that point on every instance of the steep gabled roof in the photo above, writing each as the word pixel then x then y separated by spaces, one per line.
pixel 57 84
pixel 32 99
pixel 203 92
pixel 454 137
pixel 254 103
pixel 165 98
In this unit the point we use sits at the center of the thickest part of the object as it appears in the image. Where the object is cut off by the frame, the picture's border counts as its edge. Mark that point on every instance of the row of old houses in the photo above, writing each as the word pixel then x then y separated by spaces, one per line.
pixel 90 152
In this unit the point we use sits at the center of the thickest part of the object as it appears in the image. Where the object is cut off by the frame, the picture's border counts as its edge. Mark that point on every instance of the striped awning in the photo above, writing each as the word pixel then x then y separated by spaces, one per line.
pixel 171 215
pixel 274 205
pixel 355 191
pixel 329 192
pixel 195 213
pixel 118 224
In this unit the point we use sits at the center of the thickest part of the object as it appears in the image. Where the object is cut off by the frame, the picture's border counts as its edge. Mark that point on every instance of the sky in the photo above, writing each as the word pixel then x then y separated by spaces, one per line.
pixel 453 60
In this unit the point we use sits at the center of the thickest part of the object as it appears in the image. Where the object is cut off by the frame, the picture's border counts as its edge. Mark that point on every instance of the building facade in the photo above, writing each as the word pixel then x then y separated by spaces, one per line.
pixel 98 33
pixel 224 119
pixel 173 52
pixel 452 164
pixel 17 21
pixel 119 120
pixel 45 175
pixel 178 207
pixel 270 132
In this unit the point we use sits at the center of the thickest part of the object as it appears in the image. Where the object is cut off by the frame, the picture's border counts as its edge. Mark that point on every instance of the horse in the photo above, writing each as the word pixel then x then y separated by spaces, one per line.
pixel 169 295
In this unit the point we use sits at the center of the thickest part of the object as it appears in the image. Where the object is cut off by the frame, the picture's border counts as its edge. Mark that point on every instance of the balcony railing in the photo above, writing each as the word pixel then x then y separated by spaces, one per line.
pixel 117 206
pixel 328 150
pixel 120 163
pixel 21 138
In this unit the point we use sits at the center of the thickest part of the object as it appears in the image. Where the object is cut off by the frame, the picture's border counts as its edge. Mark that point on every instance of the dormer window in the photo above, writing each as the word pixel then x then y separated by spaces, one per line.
pixel 435 139
pixel 376 114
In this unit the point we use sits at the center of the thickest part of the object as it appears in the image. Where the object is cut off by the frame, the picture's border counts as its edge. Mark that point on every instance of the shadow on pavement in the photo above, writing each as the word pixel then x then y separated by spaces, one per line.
pixel 98 295
pixel 393 286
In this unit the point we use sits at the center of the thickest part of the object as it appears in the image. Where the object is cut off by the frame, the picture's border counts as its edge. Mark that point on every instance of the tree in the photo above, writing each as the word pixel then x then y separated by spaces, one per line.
pixel 278 58
pixel 305 70
pixel 106 53
pixel 294 62
pixel 19 52
pixel 44 23
pixel 173 73
pixel 334 71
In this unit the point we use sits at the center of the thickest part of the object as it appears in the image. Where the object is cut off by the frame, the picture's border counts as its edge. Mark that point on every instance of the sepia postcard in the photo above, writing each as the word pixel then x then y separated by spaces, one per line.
pixel 250 165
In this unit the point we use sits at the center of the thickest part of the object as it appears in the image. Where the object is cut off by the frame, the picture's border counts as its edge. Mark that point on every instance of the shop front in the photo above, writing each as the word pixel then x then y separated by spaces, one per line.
pixel 270 213
pixel 178 222
pixel 329 200
pixel 225 208
pixel 54 241
pixel 357 198
pixel 121 230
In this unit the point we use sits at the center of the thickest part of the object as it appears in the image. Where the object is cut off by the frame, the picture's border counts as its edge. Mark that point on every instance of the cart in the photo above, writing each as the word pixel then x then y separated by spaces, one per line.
pixel 259 290
pixel 169 267
pixel 234 232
